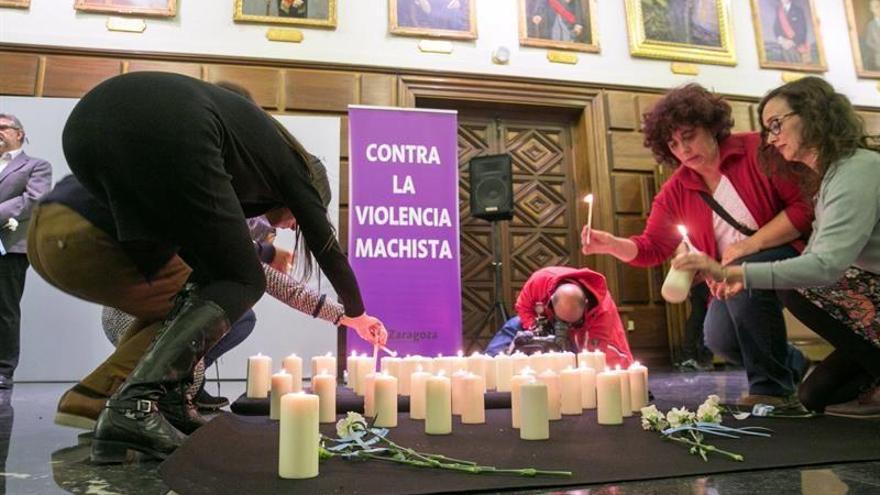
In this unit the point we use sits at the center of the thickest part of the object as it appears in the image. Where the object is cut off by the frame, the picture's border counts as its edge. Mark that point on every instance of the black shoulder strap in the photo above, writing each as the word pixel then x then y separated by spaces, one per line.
pixel 717 208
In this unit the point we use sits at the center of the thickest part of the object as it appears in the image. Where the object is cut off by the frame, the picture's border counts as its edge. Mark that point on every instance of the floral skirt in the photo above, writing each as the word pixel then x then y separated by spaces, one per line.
pixel 853 300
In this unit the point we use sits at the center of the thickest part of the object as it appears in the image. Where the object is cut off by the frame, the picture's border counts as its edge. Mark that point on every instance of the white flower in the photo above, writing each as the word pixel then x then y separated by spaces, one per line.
pixel 351 423
pixel 652 419
pixel 11 224
pixel 678 417
pixel 709 413
pixel 713 400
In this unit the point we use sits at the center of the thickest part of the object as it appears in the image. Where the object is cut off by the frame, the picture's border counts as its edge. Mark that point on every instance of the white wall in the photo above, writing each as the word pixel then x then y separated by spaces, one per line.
pixel 61 336
pixel 361 38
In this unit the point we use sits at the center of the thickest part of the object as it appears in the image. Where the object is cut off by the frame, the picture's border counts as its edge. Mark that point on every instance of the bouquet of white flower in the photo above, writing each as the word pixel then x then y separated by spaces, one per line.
pixel 11 224
pixel 686 427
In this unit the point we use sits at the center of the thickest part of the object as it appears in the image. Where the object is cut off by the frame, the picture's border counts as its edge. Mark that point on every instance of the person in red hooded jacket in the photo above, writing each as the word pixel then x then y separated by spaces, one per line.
pixel 578 297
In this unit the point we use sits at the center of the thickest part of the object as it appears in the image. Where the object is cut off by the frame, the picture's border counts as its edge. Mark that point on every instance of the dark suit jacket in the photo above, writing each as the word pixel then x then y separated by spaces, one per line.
pixel 22 183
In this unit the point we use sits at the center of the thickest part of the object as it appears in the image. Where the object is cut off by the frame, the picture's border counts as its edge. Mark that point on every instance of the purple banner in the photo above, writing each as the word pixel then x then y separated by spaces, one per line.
pixel 403 226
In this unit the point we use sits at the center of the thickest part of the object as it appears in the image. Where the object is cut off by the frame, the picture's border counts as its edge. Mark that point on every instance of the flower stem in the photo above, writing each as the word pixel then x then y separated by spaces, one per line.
pixel 710 448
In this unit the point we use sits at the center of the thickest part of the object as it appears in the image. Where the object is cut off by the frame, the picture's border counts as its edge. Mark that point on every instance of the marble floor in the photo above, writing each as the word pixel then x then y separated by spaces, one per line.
pixel 38 457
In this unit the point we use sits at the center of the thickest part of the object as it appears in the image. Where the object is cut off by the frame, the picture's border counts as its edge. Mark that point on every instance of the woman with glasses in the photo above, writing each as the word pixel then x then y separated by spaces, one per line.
pixel 834 285
pixel 733 212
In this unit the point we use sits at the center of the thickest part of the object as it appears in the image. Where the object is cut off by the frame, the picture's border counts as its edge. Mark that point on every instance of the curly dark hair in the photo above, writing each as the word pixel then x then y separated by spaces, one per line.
pixel 830 125
pixel 690 105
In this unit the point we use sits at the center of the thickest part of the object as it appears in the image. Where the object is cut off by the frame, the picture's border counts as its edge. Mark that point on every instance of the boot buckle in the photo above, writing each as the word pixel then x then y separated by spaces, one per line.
pixel 144 406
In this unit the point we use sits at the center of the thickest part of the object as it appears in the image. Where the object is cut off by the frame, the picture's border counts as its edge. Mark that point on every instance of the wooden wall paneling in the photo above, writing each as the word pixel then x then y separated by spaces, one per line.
pixel 628 190
pixel 378 89
pixel 629 153
pixel 324 91
pixel 343 136
pixel 186 69
pixel 742 116
pixel 650 328
pixel 872 122
pixel 342 232
pixel 73 77
pixel 644 102
pixel 621 110
pixel 19 74
pixel 264 83
pixel 343 182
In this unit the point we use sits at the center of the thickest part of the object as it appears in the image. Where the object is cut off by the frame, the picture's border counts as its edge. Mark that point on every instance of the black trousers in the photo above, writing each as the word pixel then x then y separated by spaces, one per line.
pixel 694 346
pixel 851 368
pixel 13 267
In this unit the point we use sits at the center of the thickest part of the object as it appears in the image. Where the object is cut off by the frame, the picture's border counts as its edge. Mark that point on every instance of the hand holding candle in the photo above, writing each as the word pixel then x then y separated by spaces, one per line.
pixel 589 200
pixel 677 284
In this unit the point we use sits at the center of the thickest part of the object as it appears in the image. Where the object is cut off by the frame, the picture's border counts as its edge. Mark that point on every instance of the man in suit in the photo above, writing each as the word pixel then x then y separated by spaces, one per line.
pixel 871 39
pixel 23 181
pixel 790 29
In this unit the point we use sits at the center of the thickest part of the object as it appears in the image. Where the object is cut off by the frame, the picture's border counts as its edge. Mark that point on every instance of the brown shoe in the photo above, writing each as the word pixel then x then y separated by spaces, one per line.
pixel 785 403
pixel 79 407
pixel 865 406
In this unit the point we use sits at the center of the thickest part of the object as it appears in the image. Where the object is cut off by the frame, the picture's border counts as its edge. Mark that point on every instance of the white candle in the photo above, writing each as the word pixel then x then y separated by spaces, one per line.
pixel 520 362
pixel 386 400
pixel 458 391
pixel 515 384
pixel 474 407
pixel 282 383
pixel 327 362
pixel 608 399
pixel 293 364
pixel 677 284
pixel 324 386
pixel 298 436
pixel 370 395
pixel 351 367
pixel 459 362
pixel 589 200
pixel 407 368
pixel 259 376
pixel 625 394
pixel 554 393
pixel 365 365
pixel 503 372
pixel 537 362
pixel 570 359
pixel 638 384
pixel 491 373
pixel 391 365
pixel 417 393
pixel 438 405
pixel 444 364
pixel 427 364
pixel 588 387
pixel 534 411
pixel 572 403
pixel 592 359
pixel 477 365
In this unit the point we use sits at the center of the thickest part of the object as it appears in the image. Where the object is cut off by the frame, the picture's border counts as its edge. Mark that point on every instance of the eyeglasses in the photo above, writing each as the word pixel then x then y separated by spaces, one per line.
pixel 775 125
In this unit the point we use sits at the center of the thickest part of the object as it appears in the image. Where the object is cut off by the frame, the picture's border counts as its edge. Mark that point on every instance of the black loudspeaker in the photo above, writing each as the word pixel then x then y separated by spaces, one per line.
pixel 491 180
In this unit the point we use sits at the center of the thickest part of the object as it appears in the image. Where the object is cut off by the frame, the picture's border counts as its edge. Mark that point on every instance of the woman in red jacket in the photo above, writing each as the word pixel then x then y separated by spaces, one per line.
pixel 766 217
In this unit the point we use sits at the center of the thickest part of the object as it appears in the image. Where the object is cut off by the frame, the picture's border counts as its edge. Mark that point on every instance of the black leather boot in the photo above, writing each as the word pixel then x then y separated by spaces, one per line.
pixel 131 419
pixel 180 410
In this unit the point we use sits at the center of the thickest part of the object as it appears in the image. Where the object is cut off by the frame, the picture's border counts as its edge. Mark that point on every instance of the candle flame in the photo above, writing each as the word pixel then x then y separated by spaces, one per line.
pixel 323 372
pixel 441 373
pixel 354 353
pixel 635 363
pixel 439 354
pixel 419 368
pixel 616 367
pixel 329 354
pixel 460 353
pixel 588 198
pixel 682 230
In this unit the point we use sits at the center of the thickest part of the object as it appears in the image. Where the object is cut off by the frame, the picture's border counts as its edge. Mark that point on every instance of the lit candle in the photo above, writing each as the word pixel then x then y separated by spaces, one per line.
pixel 638 384
pixel 677 284
pixel 438 405
pixel 427 364
pixel 324 386
pixel 458 391
pixel 569 360
pixel 625 400
pixel 391 365
pixel 537 362
pixel 444 364
pixel 293 364
pixel 588 387
pixel 520 362
pixel 608 399
pixel 298 436
pixel 417 393
pixel 534 411
pixel 370 395
pixel 588 199
pixel 572 403
pixel 515 384
pixel 327 362
pixel 351 366
pixel 491 373
pixel 386 400
pixel 282 383
pixel 687 240
pixel 459 362
pixel 554 394
pixel 476 364
pixel 259 376
pixel 503 372
pixel 407 367
pixel 474 408
pixel 365 365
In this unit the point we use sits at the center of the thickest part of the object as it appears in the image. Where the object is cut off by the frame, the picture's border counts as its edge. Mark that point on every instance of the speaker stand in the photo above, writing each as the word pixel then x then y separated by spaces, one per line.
pixel 498 302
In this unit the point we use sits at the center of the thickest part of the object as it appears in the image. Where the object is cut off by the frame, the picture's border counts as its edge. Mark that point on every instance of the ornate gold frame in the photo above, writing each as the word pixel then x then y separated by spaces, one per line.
pixel 19 4
pixel 525 40
pixel 395 28
pixel 329 22
pixel 861 71
pixel 821 66
pixel 640 46
pixel 170 9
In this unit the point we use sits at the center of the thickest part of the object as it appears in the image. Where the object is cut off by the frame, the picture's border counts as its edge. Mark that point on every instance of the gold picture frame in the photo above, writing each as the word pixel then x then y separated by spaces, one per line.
pixel 541 26
pixel 790 42
pixel 154 8
pixel 309 13
pixel 18 4
pixel 658 29
pixel 865 37
pixel 446 19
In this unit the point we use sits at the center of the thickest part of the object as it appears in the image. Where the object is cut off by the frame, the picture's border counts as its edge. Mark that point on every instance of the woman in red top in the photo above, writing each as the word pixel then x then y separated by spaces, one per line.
pixel 691 127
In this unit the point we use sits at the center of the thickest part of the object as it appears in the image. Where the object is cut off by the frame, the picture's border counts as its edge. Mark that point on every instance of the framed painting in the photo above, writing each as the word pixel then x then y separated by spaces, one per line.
pixel 560 24
pixel 316 13
pixel 863 17
pixel 683 30
pixel 787 33
pixel 449 19
pixel 20 4
pixel 159 8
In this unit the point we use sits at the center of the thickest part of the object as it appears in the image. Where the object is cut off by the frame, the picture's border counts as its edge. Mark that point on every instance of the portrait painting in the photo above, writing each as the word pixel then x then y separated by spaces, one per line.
pixel 450 19
pixel 318 13
pixel 787 33
pixel 863 17
pixel 683 30
pixel 561 24
pixel 159 8
pixel 20 4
